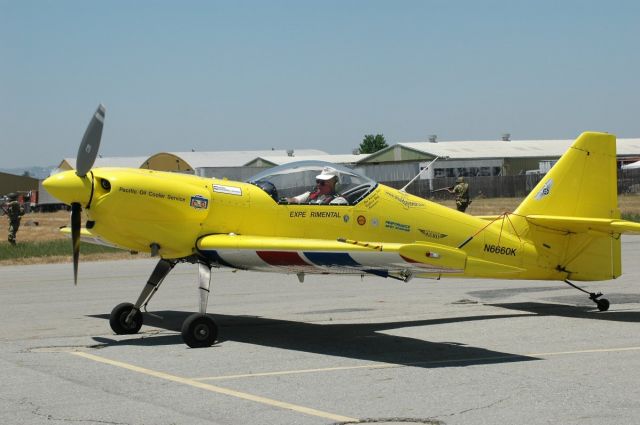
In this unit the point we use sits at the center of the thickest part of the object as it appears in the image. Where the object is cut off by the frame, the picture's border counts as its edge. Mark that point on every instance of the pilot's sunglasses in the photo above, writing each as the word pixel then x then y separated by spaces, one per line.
pixel 321 182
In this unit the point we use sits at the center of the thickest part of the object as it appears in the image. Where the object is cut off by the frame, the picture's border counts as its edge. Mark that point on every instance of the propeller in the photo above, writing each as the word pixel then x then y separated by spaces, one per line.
pixel 87 153
pixel 76 211
pixel 88 149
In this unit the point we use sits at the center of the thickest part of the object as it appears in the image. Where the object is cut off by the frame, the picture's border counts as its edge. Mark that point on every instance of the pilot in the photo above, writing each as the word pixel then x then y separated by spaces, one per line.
pixel 325 190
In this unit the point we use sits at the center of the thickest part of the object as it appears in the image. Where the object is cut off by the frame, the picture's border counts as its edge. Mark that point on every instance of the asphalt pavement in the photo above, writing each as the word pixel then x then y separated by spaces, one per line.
pixel 333 349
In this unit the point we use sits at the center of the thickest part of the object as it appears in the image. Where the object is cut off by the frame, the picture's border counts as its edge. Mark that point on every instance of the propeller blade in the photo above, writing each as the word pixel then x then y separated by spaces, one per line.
pixel 76 211
pixel 88 150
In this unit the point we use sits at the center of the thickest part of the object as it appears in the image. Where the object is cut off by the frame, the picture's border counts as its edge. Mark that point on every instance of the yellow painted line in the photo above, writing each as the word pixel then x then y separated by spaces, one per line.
pixel 293 372
pixel 216 389
pixel 425 363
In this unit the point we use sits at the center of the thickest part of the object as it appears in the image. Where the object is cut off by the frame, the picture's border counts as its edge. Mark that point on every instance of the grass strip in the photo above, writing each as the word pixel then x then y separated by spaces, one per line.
pixel 52 248
pixel 631 217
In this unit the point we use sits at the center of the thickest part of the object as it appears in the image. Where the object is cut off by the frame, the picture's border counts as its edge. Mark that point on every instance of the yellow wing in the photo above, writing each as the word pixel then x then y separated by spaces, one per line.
pixel 87 236
pixel 423 256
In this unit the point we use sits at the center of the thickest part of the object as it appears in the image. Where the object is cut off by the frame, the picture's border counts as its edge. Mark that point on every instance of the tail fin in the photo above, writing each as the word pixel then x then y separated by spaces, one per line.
pixel 571 215
pixel 583 183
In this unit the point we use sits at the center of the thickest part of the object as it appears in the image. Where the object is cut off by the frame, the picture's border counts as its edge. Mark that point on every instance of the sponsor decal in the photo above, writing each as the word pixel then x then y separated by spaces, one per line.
pixel 406 203
pixel 128 190
pixel 371 201
pixel 199 202
pixel 431 234
pixel 346 218
pixel 297 214
pixel 152 194
pixel 325 214
pixel 362 220
pixel 374 221
pixel 546 189
pixel 501 250
pixel 228 190
pixel 397 226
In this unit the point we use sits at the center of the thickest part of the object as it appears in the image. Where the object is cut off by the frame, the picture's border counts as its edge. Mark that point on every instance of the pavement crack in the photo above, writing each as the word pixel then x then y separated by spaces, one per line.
pixel 462 412
pixel 49 417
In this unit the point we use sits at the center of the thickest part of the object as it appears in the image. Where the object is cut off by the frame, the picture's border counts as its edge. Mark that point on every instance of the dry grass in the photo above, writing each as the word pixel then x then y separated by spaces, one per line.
pixel 45 227
pixel 38 227
pixel 628 204
pixel 48 224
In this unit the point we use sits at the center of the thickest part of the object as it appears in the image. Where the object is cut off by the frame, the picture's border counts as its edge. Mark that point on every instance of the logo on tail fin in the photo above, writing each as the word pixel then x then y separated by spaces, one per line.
pixel 546 189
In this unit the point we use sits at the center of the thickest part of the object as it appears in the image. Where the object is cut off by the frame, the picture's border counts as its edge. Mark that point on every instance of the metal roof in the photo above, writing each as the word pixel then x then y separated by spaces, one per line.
pixel 235 158
pixel 475 149
pixel 336 159
pixel 113 161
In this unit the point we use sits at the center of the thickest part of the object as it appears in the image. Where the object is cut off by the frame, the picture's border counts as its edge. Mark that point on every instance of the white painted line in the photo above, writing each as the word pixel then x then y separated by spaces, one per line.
pixel 216 389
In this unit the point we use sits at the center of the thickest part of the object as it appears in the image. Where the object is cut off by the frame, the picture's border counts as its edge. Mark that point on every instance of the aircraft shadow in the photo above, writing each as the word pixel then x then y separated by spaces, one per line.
pixel 363 341
pixel 562 310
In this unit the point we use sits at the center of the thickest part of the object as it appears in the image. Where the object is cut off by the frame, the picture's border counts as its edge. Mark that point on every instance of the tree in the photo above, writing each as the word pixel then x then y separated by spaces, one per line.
pixel 371 143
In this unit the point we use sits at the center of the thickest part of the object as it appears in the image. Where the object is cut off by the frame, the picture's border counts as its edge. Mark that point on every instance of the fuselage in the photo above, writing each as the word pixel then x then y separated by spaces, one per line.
pixel 135 209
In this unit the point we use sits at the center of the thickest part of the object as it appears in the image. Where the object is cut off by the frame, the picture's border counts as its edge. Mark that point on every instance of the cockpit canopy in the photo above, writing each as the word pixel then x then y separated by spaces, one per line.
pixel 295 178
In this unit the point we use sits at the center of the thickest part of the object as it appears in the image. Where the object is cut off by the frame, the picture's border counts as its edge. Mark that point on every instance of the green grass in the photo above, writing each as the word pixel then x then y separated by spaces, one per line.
pixel 631 217
pixel 48 249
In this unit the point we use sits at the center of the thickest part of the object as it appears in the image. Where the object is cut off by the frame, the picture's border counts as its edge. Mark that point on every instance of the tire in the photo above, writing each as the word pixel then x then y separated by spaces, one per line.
pixel 199 331
pixel 118 317
pixel 603 304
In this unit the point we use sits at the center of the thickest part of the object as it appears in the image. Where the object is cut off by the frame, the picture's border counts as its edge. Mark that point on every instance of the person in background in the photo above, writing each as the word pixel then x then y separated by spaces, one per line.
pixel 14 211
pixel 461 190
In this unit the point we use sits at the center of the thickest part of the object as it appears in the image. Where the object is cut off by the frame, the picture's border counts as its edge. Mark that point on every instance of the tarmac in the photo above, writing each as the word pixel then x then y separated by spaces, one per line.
pixel 331 350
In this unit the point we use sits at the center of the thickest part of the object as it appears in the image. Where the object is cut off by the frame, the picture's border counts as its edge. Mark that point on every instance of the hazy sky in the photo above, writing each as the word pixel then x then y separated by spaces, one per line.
pixel 177 75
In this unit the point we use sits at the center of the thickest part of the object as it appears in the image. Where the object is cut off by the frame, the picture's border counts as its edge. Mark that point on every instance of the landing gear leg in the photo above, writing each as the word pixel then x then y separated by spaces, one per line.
pixel 126 318
pixel 200 330
pixel 602 303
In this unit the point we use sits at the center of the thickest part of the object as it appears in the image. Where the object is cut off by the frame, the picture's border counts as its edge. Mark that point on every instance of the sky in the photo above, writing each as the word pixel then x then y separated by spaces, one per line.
pixel 253 75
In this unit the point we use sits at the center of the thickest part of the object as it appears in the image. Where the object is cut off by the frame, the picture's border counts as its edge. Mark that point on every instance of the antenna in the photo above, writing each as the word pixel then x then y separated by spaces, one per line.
pixel 422 171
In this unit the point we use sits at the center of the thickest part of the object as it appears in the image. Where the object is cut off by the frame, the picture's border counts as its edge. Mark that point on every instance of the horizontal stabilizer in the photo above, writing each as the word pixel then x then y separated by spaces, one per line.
pixel 585 224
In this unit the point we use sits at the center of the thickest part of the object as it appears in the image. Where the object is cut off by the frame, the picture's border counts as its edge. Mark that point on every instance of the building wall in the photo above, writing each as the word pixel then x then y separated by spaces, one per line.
pixel 12 183
pixel 516 166
pixel 394 171
pixel 167 162
pixel 398 153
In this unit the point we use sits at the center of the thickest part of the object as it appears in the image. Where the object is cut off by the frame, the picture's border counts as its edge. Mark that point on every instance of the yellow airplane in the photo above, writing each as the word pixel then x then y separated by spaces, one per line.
pixel 567 229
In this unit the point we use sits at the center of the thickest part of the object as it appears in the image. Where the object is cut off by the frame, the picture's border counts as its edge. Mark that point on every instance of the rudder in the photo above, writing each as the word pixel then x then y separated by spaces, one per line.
pixel 583 183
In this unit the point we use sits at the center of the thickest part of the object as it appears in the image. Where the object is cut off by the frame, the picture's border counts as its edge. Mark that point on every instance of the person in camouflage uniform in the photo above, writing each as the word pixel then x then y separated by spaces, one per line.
pixel 461 190
pixel 14 213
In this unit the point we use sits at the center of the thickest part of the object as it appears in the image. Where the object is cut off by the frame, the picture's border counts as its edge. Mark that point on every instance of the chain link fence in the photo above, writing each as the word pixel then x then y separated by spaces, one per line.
pixel 501 186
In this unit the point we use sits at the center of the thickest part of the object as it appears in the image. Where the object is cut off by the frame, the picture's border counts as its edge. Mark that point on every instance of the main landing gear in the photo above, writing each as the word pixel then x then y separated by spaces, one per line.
pixel 602 303
pixel 198 330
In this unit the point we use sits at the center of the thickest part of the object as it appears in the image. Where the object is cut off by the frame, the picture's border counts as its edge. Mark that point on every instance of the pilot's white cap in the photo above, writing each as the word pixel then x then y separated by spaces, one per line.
pixel 327 173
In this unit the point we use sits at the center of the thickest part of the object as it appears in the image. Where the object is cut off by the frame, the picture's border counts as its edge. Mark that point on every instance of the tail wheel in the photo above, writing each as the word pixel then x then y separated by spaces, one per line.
pixel 603 304
pixel 118 319
pixel 199 331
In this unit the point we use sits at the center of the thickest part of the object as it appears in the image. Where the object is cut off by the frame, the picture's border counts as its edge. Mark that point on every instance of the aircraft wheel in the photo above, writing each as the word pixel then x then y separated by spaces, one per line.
pixel 199 331
pixel 118 317
pixel 603 304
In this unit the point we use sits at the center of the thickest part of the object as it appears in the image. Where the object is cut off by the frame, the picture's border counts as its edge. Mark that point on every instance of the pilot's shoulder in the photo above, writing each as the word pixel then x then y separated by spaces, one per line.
pixel 338 201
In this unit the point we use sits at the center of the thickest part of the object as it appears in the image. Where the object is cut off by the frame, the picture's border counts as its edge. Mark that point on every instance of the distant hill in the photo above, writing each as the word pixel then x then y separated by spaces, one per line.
pixel 35 172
